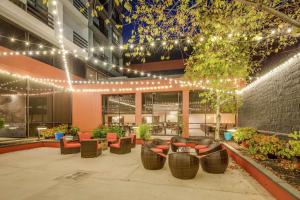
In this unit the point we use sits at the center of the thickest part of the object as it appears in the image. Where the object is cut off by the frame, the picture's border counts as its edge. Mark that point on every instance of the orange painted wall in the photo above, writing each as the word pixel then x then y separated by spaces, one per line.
pixel 87 110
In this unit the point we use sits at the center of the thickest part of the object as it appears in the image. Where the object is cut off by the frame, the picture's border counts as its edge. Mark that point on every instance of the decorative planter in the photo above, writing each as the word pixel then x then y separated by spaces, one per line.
pixel 58 135
pixel 276 186
pixel 227 135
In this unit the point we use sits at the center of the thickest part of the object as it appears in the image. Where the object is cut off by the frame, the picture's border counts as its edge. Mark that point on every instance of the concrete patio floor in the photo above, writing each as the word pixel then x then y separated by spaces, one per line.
pixel 44 174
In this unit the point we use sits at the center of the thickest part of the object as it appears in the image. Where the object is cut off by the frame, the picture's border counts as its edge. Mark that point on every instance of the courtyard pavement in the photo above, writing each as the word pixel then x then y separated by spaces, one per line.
pixel 44 174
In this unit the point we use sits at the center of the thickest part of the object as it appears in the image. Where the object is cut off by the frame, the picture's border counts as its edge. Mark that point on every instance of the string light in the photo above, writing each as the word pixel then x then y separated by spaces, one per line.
pixel 276 70
pixel 62 47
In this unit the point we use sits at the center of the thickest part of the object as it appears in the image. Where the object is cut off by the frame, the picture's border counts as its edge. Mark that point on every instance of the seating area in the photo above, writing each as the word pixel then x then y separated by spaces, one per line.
pixel 186 156
pixel 91 148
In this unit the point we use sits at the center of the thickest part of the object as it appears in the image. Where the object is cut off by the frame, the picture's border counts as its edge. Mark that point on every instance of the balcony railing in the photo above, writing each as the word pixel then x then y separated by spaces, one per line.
pixel 80 41
pixel 81 7
pixel 36 10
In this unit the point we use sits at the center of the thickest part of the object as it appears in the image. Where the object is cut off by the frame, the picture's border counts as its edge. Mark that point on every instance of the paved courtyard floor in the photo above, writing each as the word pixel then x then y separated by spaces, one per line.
pixel 44 174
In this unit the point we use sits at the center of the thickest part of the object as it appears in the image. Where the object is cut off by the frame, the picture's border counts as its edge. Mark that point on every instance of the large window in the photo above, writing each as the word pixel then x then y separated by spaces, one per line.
pixel 202 118
pixel 163 110
pixel 27 105
pixel 119 110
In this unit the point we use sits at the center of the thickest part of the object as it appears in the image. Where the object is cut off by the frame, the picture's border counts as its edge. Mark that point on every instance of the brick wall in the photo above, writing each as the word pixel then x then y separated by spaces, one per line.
pixel 274 103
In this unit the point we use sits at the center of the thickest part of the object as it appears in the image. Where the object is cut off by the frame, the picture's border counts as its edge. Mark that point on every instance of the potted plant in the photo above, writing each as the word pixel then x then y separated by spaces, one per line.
pixel 73 131
pixel 143 132
pixel 47 133
pixel 100 132
pixel 59 132
pixel 2 122
pixel 118 130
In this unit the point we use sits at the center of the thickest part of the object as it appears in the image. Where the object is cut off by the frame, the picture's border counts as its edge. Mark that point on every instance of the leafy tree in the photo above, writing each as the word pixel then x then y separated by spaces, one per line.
pixel 228 39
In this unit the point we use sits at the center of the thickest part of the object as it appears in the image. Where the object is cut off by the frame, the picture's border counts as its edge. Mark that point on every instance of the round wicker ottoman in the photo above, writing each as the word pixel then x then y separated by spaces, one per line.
pixel 183 165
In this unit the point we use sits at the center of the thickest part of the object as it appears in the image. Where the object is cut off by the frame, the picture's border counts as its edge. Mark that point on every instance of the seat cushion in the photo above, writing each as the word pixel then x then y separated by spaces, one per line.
pixel 116 145
pixel 200 146
pixel 72 145
pixel 111 136
pixel 156 150
pixel 180 144
pixel 163 147
pixel 192 145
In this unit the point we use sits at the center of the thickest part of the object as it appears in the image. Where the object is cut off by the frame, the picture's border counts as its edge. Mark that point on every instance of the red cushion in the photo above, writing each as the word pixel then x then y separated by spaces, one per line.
pixel 156 150
pixel 192 145
pixel 85 136
pixel 200 146
pixel 203 150
pixel 180 144
pixel 116 145
pixel 72 145
pixel 163 147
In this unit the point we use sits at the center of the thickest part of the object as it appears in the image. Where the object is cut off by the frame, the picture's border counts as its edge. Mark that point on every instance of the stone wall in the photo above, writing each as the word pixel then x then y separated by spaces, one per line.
pixel 273 104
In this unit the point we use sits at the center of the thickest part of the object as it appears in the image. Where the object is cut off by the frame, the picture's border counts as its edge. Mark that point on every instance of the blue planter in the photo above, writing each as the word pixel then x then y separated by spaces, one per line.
pixel 228 136
pixel 58 135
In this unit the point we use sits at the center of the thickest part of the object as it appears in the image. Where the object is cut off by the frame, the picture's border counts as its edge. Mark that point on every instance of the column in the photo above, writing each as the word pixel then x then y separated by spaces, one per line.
pixel 138 108
pixel 185 113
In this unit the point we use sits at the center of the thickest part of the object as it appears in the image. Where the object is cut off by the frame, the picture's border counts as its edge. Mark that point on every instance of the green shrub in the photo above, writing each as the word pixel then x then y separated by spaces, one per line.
pixel 243 134
pixel 2 122
pixel 63 128
pixel 118 130
pixel 262 145
pixel 74 130
pixel 143 132
pixel 292 147
pixel 99 133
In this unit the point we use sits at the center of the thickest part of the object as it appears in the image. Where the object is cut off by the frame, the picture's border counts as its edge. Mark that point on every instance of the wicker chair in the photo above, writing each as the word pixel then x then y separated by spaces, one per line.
pixel 209 149
pixel 150 159
pixel 111 138
pixel 161 144
pixel 69 147
pixel 122 147
pixel 183 165
pixel 133 140
pixel 177 142
pixel 215 162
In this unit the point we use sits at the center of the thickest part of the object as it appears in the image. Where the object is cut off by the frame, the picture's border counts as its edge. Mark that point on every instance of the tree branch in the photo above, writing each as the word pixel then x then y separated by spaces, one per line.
pixel 270 10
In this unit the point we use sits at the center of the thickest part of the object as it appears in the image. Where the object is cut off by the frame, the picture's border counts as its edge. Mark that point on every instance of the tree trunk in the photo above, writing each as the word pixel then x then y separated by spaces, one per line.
pixel 218 117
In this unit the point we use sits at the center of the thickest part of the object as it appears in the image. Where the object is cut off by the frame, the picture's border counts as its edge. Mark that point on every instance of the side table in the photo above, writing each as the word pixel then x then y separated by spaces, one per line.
pixel 104 143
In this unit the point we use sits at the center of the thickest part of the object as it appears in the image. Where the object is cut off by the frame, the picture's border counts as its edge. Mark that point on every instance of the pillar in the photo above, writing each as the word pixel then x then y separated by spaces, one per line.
pixel 185 113
pixel 138 108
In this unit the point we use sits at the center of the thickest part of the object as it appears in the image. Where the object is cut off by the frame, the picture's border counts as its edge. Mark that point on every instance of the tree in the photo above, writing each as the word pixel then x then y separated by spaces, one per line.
pixel 228 40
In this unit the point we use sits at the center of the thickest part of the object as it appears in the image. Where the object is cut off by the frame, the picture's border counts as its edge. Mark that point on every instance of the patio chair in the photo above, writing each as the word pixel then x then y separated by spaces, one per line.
pixel 177 142
pixel 183 165
pixel 122 147
pixel 215 162
pixel 69 147
pixel 161 144
pixel 152 158
pixel 90 148
pixel 133 140
pixel 209 149
pixel 111 138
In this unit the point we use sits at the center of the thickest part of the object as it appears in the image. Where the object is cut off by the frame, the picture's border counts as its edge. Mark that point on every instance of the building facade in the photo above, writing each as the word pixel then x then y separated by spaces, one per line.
pixel 33 20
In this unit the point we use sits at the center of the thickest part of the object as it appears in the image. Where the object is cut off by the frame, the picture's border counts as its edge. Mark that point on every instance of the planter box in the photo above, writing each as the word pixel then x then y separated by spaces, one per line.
pixel 279 188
